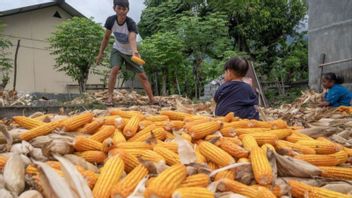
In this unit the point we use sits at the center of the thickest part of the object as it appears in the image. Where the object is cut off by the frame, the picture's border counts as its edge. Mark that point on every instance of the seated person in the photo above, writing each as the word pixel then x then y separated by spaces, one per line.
pixel 235 95
pixel 335 95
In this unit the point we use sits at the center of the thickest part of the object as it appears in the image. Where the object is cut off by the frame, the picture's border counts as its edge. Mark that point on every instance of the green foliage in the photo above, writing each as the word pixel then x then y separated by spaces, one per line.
pixel 75 44
pixel 214 31
pixel 5 62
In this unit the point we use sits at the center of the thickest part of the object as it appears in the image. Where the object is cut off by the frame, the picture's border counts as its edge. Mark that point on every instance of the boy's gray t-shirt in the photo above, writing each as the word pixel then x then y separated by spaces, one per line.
pixel 121 33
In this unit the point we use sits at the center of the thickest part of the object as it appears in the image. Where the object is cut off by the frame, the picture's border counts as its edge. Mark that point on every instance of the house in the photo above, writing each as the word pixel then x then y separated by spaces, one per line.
pixel 32 26
pixel 330 40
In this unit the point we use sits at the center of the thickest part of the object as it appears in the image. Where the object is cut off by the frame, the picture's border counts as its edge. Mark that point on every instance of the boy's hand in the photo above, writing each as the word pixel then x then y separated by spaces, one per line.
pixel 99 58
pixel 136 53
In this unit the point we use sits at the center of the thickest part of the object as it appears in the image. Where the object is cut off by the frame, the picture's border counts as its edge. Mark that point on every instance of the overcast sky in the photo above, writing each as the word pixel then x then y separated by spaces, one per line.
pixel 99 9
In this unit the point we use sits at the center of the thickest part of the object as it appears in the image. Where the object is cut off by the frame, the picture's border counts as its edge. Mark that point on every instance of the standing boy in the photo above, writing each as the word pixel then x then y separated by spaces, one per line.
pixel 125 46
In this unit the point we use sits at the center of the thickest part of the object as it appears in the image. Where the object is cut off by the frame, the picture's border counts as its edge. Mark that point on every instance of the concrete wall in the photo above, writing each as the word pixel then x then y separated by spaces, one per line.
pixel 35 70
pixel 329 32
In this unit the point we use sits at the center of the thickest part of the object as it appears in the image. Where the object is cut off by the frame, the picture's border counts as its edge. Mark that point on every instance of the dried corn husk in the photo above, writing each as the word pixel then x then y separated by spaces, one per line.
pixel 31 194
pixel 79 161
pixel 5 194
pixel 14 174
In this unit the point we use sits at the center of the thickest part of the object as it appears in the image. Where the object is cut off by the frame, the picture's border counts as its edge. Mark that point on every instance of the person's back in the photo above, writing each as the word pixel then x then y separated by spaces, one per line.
pixel 235 95
pixel 336 94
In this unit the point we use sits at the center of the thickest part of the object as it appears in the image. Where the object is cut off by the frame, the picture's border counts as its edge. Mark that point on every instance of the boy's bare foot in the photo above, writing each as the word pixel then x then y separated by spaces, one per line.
pixel 153 102
pixel 109 102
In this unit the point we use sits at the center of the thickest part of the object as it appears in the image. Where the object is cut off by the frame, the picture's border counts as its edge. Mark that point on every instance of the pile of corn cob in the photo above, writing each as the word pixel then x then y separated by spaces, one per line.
pixel 118 153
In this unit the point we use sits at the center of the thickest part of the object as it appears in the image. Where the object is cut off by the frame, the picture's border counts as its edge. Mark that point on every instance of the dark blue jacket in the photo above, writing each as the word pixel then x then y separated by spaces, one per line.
pixel 237 97
pixel 338 95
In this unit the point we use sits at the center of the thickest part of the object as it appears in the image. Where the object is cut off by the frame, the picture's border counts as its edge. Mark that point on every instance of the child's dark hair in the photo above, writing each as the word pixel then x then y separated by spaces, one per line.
pixel 238 65
pixel 333 77
pixel 123 3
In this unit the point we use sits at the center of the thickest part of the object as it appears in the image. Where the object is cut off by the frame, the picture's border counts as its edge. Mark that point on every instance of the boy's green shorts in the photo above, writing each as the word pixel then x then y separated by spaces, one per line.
pixel 119 59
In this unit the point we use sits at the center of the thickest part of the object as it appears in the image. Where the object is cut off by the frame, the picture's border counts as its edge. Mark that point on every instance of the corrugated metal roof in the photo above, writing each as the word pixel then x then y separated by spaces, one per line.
pixel 64 5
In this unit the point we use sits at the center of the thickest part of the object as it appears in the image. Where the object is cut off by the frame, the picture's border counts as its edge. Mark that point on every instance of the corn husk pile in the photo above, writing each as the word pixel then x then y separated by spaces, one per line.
pixel 119 153
pixel 12 98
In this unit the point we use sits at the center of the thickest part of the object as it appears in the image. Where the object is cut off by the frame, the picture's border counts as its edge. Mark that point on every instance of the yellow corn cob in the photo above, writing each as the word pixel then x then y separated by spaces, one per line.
pixel 146 154
pixel 240 124
pixel 264 191
pixel 42 117
pixel 319 160
pixel 186 136
pixel 296 135
pixel 197 180
pixel 215 154
pixel 229 174
pixel 103 133
pixel 159 133
pixel 341 156
pixel 281 133
pixel 275 189
pixel 92 127
pixel 26 122
pixel 261 167
pixel 241 160
pixel 143 132
pixel 93 156
pixel 201 130
pixel 169 135
pixel 336 172
pixel 339 146
pixel 174 125
pixel 134 145
pixel 111 120
pixel 172 146
pixel 85 144
pixel 229 117
pixel 90 176
pixel 265 147
pixel 281 144
pixel 278 124
pixel 212 165
pixel 212 137
pixel 130 160
pixel 199 157
pixel 228 132
pixel 170 157
pixel 348 151
pixel 191 118
pixel 299 189
pixel 124 114
pixel 188 125
pixel 193 192
pixel 144 123
pixel 157 118
pixel 263 138
pixel 109 176
pixel 320 147
pixel 3 161
pixel 118 137
pixel 126 186
pixel 237 187
pixel 132 126
pixel 77 121
pixel 166 182
pixel 249 142
pixel 242 131
pixel 235 140
pixel 174 115
pixel 41 130
pixel 261 124
pixel 233 149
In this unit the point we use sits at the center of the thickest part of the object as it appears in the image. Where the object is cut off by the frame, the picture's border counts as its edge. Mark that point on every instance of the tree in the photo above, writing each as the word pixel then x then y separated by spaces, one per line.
pixel 76 43
pixel 163 53
pixel 5 62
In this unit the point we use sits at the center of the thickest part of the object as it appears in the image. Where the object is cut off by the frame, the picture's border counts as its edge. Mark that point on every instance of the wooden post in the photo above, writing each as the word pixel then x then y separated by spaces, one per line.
pixel 15 66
